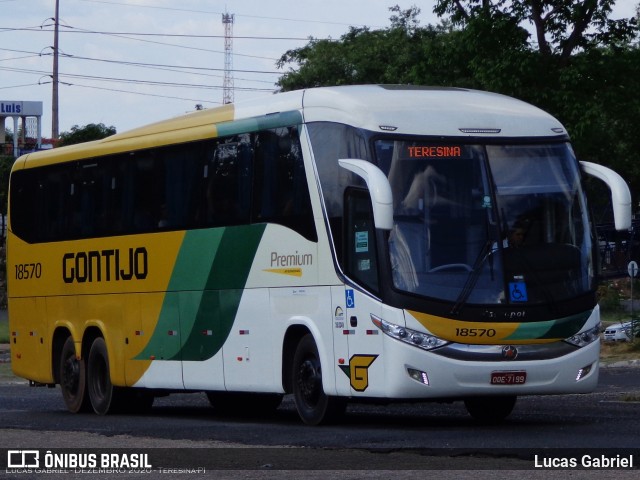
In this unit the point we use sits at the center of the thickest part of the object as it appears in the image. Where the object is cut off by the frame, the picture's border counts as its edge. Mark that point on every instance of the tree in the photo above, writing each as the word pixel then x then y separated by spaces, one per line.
pixel 562 27
pixel 391 55
pixel 6 162
pixel 91 131
pixel 491 55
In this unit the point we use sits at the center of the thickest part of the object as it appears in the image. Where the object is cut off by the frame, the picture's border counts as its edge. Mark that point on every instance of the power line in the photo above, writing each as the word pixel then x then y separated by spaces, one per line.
pixel 18 58
pixel 128 37
pixel 179 69
pixel 166 44
pixel 149 65
pixel 40 28
pixel 143 93
pixel 145 34
pixel 36 28
pixel 132 81
pixel 262 17
pixel 20 86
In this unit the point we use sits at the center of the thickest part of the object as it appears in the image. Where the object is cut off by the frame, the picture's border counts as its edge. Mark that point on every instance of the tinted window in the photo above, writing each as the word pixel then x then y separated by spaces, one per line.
pixel 196 185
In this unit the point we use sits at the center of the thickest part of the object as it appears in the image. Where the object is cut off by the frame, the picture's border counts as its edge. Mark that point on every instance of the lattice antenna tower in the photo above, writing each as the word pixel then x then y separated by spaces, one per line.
pixel 227 83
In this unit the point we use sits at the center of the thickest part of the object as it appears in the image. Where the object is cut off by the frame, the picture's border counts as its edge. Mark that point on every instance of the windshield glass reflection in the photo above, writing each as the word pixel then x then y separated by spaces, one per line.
pixel 487 225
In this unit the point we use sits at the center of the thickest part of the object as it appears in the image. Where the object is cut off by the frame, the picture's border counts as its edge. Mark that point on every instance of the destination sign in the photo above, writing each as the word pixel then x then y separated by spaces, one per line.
pixel 436 151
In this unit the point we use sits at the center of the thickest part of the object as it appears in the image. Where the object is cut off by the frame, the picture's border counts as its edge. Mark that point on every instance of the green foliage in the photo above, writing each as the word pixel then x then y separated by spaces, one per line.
pixel 4 330
pixel 609 297
pixel 561 27
pixel 597 100
pixel 6 162
pixel 91 131
pixel 392 55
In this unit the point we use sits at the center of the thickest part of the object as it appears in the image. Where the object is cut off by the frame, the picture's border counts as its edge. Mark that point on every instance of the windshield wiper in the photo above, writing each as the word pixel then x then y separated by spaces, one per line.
pixel 474 275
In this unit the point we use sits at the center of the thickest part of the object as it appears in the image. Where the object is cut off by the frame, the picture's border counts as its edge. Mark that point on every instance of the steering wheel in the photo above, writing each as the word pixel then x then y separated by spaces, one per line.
pixel 451 266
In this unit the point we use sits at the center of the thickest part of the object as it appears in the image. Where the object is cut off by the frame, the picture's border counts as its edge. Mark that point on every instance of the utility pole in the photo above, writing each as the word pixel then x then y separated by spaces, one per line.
pixel 227 83
pixel 54 94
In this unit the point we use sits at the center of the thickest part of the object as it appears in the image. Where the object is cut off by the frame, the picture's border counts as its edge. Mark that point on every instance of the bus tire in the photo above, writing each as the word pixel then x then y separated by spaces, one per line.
pixel 313 405
pixel 101 390
pixel 490 409
pixel 73 378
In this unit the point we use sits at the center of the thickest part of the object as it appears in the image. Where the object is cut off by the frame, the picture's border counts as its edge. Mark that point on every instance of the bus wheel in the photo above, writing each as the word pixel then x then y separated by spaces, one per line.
pixel 313 405
pixel 73 379
pixel 101 390
pixel 490 409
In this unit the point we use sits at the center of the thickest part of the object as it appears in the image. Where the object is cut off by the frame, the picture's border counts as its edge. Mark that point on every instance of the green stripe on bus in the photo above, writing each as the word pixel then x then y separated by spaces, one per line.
pixel 204 293
pixel 274 120
pixel 223 292
pixel 559 328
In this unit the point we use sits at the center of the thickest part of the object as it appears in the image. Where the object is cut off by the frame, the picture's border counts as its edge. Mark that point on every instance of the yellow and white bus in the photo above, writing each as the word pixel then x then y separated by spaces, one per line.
pixel 338 244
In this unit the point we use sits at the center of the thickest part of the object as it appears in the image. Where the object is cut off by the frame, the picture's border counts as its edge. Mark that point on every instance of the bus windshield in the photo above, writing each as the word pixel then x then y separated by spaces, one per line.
pixel 492 224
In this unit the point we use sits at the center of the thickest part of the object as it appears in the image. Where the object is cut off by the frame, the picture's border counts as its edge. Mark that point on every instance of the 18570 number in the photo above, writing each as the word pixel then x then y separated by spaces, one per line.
pixel 475 332
pixel 26 271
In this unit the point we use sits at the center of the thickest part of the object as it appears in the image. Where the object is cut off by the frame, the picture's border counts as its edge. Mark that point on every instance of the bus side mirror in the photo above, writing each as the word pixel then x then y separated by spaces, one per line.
pixel 620 194
pixel 379 190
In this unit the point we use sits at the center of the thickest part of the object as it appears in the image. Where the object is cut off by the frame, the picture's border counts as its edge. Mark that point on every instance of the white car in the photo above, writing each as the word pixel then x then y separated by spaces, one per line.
pixel 618 332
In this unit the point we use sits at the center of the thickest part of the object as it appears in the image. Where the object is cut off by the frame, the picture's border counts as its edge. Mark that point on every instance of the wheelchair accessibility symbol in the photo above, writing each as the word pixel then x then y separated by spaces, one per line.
pixel 350 299
pixel 518 292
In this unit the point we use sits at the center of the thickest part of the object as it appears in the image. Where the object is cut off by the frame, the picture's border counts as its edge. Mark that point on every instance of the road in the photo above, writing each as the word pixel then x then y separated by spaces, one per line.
pixel 370 439
pixel 413 441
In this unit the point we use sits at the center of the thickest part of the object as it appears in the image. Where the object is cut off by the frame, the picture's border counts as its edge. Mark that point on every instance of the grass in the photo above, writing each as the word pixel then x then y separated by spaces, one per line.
pixel 612 352
pixel 614 316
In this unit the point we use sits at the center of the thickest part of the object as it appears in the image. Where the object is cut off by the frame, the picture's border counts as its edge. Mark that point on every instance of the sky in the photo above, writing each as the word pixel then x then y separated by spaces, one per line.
pixel 127 63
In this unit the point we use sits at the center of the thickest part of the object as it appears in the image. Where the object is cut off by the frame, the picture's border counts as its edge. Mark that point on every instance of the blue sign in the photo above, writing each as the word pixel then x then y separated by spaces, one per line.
pixel 518 292
pixel 350 298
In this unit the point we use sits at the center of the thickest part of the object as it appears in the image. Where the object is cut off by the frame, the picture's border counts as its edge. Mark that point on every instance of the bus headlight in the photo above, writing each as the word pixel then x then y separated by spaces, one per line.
pixel 583 339
pixel 408 336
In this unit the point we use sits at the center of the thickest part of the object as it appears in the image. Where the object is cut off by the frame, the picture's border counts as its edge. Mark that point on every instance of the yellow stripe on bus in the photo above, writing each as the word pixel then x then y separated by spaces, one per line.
pixel 483 333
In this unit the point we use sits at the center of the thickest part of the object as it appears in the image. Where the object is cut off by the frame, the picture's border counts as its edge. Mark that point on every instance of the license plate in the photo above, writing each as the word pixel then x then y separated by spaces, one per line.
pixel 508 378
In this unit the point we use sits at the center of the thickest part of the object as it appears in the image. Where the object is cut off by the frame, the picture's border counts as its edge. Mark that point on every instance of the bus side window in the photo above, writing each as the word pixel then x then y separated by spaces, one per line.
pixel 229 181
pixel 281 194
pixel 361 260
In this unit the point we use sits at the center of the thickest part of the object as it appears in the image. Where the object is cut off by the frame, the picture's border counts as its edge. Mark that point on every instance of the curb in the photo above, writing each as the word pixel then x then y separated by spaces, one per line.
pixel 5 354
pixel 622 363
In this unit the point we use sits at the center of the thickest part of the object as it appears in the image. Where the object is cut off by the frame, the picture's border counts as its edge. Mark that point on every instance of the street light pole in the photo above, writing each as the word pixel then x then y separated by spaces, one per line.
pixel 54 94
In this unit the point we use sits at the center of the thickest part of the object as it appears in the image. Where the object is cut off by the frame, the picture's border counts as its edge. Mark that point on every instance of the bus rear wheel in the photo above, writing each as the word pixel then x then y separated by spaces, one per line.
pixel 73 378
pixel 490 409
pixel 101 390
pixel 105 397
pixel 313 405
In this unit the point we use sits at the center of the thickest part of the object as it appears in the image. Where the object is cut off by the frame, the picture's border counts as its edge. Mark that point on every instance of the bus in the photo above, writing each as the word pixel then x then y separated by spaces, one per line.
pixel 340 244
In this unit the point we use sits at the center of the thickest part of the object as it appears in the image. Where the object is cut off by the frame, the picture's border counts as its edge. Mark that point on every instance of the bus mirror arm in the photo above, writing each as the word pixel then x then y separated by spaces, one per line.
pixel 379 189
pixel 620 194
